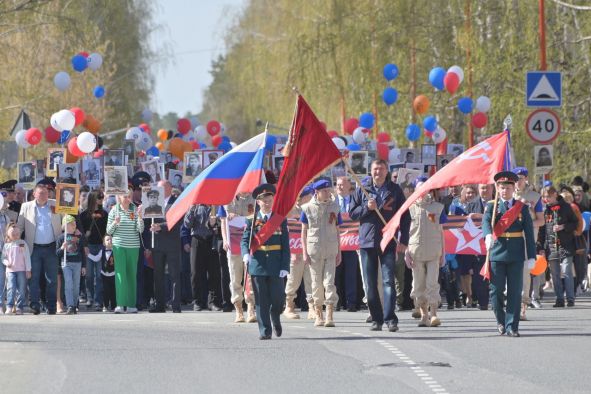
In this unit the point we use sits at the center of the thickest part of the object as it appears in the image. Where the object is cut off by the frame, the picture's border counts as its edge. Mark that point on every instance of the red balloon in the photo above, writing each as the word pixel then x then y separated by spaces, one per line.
pixel 333 133
pixel 79 115
pixel 194 145
pixel 52 135
pixel 146 128
pixel 350 125
pixel 73 147
pixel 428 133
pixel 383 137
pixel 183 126
pixel 451 82
pixel 33 136
pixel 479 120
pixel 216 140
pixel 98 153
pixel 366 131
pixel 84 53
pixel 213 127
pixel 383 151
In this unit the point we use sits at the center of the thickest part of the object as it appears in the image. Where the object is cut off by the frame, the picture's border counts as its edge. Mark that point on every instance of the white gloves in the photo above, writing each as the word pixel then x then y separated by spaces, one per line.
pixel 531 263
pixel 246 258
pixel 408 260
pixel 488 241
pixel 283 273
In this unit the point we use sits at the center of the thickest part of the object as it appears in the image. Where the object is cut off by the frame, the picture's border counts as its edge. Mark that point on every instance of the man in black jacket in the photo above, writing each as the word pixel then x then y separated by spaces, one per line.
pixel 385 197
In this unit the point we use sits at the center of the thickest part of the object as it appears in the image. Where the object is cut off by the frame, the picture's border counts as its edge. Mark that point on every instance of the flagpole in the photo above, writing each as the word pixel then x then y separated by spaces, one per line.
pixel 358 181
pixel 486 267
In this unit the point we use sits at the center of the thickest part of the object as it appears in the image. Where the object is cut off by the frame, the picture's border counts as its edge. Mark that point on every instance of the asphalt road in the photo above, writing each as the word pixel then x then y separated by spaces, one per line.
pixel 204 352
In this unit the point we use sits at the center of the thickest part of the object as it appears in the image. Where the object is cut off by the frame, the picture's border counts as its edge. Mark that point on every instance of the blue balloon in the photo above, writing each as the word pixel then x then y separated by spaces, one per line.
pixel 202 145
pixel 413 132
pixel 430 123
pixel 465 105
pixel 64 137
pixel 79 63
pixel 353 147
pixel 390 96
pixel 390 71
pixel 99 91
pixel 436 76
pixel 225 138
pixel 586 220
pixel 153 151
pixel 367 120
pixel 225 146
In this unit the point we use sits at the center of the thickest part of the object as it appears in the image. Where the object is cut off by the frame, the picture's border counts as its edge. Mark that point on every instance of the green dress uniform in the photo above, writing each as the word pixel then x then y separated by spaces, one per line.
pixel 264 267
pixel 507 257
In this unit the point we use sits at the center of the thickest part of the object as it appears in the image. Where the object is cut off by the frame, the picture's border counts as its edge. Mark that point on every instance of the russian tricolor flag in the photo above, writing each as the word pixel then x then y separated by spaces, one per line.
pixel 239 170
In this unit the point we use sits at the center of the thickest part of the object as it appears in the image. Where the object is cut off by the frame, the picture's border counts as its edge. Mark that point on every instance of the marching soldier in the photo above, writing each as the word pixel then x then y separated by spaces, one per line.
pixel 504 225
pixel 321 247
pixel 268 265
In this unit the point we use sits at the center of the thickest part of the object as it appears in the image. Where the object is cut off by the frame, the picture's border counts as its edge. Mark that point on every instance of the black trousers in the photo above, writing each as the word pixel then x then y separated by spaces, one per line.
pixel 205 273
pixel 109 300
pixel 225 276
pixel 269 297
pixel 171 258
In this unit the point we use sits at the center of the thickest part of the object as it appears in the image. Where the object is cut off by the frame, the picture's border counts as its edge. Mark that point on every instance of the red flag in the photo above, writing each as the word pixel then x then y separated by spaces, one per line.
pixel 308 152
pixel 478 164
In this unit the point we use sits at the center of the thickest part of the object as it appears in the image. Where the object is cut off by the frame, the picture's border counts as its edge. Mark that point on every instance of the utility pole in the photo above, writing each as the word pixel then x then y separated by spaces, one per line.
pixel 468 15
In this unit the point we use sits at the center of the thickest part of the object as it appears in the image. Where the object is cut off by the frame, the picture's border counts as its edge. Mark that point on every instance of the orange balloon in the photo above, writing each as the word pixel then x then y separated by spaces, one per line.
pixel 70 158
pixel 162 134
pixel 421 104
pixel 178 147
pixel 541 265
pixel 91 124
pixel 160 146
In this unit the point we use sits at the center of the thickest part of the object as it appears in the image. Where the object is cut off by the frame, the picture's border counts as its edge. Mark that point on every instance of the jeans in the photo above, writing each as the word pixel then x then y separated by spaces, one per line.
pixel 2 280
pixel 44 262
pixel 563 269
pixel 71 282
pixel 370 259
pixel 17 283
pixel 94 285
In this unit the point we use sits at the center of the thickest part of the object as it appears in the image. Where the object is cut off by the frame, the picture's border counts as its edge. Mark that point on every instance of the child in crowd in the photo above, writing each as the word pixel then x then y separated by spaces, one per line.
pixel 17 259
pixel 70 251
pixel 108 275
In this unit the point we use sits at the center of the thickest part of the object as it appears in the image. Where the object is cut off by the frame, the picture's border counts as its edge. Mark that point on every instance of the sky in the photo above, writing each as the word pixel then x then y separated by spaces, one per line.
pixel 193 32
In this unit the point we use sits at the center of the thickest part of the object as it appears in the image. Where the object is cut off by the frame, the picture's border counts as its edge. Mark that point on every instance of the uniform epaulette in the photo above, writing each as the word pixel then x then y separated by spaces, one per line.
pixel 491 202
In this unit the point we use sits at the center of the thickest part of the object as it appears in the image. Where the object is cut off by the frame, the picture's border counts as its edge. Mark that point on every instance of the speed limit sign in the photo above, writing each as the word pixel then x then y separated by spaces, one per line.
pixel 543 126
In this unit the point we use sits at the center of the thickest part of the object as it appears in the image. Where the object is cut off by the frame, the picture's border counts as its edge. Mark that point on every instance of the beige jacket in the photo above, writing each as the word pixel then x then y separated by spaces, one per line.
pixel 426 234
pixel 26 222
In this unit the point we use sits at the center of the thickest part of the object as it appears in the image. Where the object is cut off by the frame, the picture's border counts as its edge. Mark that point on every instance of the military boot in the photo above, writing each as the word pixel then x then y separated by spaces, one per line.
pixel 252 317
pixel 319 317
pixel 435 322
pixel 311 313
pixel 329 316
pixel 290 312
pixel 239 312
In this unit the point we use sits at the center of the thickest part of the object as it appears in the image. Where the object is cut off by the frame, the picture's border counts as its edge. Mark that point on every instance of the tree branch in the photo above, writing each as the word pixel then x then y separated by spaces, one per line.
pixel 573 6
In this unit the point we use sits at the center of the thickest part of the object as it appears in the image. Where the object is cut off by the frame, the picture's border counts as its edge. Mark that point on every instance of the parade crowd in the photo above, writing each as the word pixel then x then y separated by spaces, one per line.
pixel 109 258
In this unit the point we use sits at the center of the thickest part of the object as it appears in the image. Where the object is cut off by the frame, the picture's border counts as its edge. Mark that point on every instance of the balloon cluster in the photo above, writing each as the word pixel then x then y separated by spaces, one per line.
pixel 390 95
pixel 466 106
pixel 80 62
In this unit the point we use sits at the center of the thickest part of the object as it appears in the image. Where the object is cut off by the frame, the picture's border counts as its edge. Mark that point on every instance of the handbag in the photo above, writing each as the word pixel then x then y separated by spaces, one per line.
pixel 580 244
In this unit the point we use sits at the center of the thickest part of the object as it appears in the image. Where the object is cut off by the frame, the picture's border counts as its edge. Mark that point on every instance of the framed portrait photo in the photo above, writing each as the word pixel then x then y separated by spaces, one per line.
pixel 175 177
pixel 406 179
pixel 428 154
pixel 408 155
pixel 68 173
pixel 66 198
pixel 455 149
pixel 116 180
pixel 114 157
pixel 153 202
pixel 193 165
pixel 543 158
pixel 358 161
pixel 91 172
pixel 27 174
pixel 55 157
pixel 152 167
pixel 210 156
pixel 443 160
pixel 129 149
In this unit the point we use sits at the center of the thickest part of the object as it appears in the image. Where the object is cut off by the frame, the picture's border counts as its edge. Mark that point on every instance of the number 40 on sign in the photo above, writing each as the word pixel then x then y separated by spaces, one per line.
pixel 543 126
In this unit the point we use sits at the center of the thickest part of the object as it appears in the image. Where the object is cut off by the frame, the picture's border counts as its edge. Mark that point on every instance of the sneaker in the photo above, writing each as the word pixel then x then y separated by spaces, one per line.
pixel 71 311
pixel 131 309
pixel 105 309
pixel 558 304
pixel 536 304
pixel 19 312
pixel 89 303
pixel 118 310
pixel 9 311
pixel 570 303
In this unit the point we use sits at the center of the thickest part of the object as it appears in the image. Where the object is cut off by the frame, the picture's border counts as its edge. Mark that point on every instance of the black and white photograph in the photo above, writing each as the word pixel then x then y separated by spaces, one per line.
pixel 26 173
pixel 358 162
pixel 544 158
pixel 40 168
pixel 455 149
pixel 210 156
pixel 165 157
pixel 67 173
pixel 91 172
pixel 114 157
pixel 175 177
pixel 152 167
pixel 443 160
pixel 153 201
pixel 55 157
pixel 406 179
pixel 408 155
pixel 396 167
pixel 394 156
pixel 338 170
pixel 66 198
pixel 428 154
pixel 129 149
pixel 193 165
pixel 116 180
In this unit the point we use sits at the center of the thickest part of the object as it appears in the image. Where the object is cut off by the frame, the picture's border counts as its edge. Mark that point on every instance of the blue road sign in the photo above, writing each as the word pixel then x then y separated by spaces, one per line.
pixel 543 89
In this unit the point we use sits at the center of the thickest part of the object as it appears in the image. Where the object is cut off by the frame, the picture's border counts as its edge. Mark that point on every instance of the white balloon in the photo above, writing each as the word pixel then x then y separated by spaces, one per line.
pixel 359 136
pixel 482 104
pixel 394 156
pixel 64 120
pixel 134 133
pixel 147 115
pixel 200 132
pixel 62 81
pixel 144 142
pixel 439 135
pixel 21 140
pixel 458 70
pixel 54 123
pixel 95 61
pixel 339 143
pixel 86 142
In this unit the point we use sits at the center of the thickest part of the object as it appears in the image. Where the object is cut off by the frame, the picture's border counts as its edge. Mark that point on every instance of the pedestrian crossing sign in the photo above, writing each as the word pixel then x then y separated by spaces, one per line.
pixel 543 89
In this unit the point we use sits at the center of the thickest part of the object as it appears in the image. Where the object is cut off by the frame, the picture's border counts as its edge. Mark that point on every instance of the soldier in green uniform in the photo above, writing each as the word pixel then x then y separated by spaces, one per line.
pixel 269 264
pixel 508 239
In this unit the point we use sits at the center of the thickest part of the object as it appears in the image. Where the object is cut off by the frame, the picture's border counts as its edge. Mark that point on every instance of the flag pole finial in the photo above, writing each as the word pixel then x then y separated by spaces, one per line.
pixel 508 122
pixel 295 90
